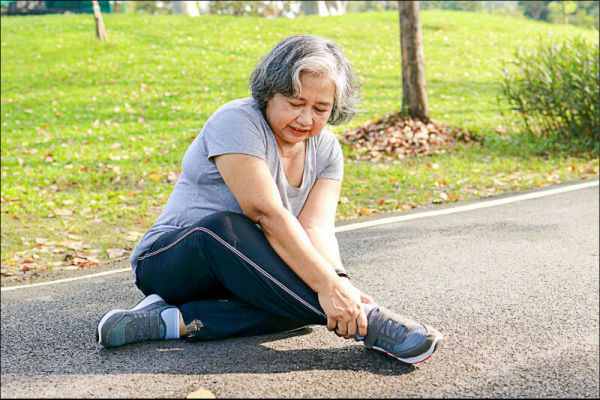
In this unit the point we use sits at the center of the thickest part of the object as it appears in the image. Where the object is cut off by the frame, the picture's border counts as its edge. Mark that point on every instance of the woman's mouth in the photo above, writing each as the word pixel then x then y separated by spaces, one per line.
pixel 298 131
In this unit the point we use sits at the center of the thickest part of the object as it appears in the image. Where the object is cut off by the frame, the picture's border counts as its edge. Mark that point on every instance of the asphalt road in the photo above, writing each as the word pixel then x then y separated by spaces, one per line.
pixel 514 289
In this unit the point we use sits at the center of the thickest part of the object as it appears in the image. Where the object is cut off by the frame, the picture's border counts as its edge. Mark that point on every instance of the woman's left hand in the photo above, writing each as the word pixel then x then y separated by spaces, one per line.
pixel 364 298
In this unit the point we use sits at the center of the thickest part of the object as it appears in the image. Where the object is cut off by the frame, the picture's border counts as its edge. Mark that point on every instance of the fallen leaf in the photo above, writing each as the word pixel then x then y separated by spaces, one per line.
pixel 55 264
pixel 63 212
pixel 87 264
pixel 133 235
pixel 172 176
pixel 364 212
pixel 113 253
pixel 591 171
pixel 78 261
pixel 201 394
pixel 24 268
pixel 71 244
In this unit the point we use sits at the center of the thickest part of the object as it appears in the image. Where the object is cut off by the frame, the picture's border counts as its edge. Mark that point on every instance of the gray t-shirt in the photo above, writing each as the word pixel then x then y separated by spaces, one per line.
pixel 237 127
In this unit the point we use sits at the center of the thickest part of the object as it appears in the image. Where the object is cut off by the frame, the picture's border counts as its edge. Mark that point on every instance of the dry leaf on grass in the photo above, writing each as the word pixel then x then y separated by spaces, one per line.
pixel 114 253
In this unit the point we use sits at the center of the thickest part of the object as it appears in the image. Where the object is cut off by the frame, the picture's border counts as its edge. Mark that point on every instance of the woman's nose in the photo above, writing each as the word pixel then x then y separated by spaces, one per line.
pixel 304 118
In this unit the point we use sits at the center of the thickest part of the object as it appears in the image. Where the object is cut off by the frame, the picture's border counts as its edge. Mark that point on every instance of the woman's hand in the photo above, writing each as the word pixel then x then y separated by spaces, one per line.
pixel 341 302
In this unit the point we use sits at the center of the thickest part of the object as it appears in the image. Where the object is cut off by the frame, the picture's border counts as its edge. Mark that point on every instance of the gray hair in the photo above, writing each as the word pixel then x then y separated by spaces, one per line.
pixel 281 69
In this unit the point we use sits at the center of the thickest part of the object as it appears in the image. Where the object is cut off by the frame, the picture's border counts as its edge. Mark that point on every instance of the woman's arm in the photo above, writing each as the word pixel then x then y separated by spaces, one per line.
pixel 318 220
pixel 250 181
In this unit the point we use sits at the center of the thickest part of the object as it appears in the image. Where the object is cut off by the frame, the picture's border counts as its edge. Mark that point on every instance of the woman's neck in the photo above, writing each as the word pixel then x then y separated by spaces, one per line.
pixel 290 151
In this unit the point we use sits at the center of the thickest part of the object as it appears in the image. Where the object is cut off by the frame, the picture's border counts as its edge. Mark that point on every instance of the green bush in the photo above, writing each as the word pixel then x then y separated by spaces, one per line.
pixel 554 88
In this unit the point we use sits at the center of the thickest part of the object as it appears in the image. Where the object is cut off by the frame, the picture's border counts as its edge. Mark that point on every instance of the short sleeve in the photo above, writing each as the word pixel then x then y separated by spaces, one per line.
pixel 234 130
pixel 332 158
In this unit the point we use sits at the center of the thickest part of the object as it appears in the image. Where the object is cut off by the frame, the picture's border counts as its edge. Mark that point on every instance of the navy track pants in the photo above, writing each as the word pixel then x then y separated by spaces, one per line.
pixel 227 280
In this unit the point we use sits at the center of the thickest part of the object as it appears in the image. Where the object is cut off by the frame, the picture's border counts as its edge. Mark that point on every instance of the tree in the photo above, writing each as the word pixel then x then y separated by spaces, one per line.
pixel 564 8
pixel 100 30
pixel 537 10
pixel 414 88
pixel 188 8
pixel 323 8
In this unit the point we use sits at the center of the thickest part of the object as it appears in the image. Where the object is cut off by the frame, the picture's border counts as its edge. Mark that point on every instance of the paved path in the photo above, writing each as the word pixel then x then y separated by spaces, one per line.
pixel 514 289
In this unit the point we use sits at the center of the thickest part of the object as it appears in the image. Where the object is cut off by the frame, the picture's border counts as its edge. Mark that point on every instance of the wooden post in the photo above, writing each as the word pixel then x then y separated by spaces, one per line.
pixel 414 88
pixel 100 31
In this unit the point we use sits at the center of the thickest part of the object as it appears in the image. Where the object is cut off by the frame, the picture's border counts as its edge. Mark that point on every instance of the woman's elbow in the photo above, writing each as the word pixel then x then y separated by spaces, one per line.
pixel 263 214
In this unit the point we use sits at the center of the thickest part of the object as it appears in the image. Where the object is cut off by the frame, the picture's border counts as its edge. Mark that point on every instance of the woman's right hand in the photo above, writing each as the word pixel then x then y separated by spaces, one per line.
pixel 341 302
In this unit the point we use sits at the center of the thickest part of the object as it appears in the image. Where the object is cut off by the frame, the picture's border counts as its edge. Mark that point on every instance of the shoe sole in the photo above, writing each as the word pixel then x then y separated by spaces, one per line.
pixel 153 298
pixel 418 359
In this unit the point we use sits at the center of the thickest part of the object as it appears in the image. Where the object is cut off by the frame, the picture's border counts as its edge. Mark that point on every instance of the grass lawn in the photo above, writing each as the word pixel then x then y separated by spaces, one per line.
pixel 93 134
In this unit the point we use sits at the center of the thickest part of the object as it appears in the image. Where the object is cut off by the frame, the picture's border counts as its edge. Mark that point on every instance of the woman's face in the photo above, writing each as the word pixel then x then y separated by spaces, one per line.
pixel 295 119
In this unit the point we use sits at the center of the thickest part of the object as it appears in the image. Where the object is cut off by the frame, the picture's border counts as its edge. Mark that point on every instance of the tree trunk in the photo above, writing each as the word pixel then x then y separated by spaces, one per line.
pixel 100 31
pixel 309 7
pixel 188 8
pixel 414 88
pixel 565 14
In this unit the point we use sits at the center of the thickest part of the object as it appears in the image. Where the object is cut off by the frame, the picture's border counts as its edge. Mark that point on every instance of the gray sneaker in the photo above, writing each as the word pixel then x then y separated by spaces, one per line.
pixel 142 322
pixel 401 338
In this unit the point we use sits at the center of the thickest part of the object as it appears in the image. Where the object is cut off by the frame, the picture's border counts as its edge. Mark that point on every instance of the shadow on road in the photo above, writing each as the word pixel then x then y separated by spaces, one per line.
pixel 266 354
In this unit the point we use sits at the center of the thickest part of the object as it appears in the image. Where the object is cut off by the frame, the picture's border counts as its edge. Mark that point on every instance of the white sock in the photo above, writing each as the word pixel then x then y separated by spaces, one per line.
pixel 171 318
pixel 368 307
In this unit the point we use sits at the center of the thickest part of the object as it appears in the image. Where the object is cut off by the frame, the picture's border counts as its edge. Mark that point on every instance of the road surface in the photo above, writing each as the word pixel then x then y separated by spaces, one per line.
pixel 513 288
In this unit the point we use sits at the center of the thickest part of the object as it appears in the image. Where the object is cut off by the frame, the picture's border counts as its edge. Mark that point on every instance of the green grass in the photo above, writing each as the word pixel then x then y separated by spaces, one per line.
pixel 99 130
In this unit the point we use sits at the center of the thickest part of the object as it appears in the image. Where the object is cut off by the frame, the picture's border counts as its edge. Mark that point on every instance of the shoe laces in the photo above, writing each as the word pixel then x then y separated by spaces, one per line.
pixel 391 328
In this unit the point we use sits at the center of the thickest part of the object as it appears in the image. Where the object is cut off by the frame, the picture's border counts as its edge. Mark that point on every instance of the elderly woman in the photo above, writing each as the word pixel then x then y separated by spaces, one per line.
pixel 245 244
